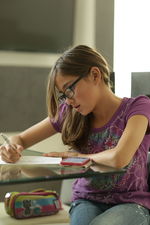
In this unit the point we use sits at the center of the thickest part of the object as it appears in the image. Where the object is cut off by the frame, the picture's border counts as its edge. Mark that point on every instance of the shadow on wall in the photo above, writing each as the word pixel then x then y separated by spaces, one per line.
pixel 140 83
pixel 22 97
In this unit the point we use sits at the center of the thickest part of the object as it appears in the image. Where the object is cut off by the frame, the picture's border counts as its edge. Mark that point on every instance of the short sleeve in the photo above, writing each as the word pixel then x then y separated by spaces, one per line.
pixel 139 106
pixel 57 124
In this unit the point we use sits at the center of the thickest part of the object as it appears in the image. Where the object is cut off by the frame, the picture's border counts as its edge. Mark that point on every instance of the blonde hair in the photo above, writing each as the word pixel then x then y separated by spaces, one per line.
pixel 76 61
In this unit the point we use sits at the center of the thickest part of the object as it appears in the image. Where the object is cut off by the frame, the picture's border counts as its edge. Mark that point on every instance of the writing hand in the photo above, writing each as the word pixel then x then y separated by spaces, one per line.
pixel 10 153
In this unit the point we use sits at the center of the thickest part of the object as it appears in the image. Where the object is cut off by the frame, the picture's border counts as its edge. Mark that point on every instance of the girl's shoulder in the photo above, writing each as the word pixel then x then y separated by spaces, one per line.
pixel 137 105
pixel 140 99
pixel 137 99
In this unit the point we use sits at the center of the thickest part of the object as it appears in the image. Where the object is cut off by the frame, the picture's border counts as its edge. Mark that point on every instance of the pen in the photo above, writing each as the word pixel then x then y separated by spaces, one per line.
pixel 6 140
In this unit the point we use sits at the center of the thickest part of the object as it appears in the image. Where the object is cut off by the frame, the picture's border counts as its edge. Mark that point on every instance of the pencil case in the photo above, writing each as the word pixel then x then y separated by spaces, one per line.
pixel 40 202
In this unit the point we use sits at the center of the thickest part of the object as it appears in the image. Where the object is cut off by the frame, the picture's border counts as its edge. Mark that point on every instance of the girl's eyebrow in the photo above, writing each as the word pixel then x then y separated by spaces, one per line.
pixel 63 88
pixel 67 84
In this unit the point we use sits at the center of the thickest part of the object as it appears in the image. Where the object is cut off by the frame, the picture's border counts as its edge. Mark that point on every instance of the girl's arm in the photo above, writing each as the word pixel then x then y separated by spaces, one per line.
pixel 121 155
pixel 25 139
pixel 34 134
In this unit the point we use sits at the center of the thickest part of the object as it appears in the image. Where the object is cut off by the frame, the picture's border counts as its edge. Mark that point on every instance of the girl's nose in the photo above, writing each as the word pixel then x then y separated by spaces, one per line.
pixel 68 101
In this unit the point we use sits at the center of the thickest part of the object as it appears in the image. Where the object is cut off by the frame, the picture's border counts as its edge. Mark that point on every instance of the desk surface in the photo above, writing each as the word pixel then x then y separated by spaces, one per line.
pixel 13 174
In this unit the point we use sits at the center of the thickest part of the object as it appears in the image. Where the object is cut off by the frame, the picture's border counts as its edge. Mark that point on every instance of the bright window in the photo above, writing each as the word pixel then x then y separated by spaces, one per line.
pixel 131 42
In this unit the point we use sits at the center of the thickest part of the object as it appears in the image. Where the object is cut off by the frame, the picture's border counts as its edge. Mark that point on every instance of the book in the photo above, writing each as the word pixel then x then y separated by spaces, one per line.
pixel 25 160
pixel 52 161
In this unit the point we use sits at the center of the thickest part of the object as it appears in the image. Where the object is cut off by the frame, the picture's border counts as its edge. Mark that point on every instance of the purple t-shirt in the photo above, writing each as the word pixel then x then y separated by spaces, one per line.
pixel 123 188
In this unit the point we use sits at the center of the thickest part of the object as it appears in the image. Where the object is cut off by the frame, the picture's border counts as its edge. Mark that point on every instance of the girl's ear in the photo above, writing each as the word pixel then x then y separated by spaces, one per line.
pixel 95 73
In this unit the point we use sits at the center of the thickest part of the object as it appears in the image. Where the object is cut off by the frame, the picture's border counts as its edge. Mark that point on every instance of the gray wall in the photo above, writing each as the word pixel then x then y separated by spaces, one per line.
pixel 140 83
pixel 105 28
pixel 22 97
pixel 35 25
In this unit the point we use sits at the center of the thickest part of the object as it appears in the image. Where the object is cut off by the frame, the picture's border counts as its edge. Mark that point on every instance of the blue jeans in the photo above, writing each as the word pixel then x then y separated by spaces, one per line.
pixel 84 212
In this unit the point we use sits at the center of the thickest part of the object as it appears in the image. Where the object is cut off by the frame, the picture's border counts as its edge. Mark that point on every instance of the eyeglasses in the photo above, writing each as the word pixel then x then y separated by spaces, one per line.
pixel 69 91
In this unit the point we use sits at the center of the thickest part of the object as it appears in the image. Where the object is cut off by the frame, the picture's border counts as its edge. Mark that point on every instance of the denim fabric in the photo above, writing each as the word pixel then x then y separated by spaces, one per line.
pixel 84 212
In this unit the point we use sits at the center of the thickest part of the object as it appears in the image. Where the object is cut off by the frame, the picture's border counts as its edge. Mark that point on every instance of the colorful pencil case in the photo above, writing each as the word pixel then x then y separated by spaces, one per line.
pixel 36 203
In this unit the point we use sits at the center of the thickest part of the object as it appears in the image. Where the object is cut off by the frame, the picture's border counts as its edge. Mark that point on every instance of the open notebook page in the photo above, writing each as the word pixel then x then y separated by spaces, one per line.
pixel 24 160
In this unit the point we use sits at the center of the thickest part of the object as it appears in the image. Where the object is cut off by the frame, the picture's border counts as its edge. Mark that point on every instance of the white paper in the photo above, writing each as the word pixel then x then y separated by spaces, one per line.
pixel 24 160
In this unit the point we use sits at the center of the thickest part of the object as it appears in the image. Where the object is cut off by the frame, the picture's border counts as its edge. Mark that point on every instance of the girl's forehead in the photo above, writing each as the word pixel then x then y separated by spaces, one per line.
pixel 62 81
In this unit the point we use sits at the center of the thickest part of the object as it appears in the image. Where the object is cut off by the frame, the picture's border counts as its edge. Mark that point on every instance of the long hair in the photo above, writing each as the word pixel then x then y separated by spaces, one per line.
pixel 76 61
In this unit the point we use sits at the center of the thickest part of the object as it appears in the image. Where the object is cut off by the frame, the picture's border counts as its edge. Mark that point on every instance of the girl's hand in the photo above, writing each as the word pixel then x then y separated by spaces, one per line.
pixel 10 154
pixel 65 154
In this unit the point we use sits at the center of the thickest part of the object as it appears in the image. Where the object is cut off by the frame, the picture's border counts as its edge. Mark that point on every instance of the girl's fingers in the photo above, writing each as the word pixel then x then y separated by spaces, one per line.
pixel 2 148
pixel 53 154
pixel 62 154
pixel 9 154
pixel 8 159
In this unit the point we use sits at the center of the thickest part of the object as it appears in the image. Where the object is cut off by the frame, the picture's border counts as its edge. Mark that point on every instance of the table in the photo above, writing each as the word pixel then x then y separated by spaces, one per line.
pixel 24 177
pixel 15 174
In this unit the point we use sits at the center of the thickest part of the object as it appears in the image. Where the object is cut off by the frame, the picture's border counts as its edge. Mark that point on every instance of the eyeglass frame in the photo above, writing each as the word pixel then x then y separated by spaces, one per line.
pixel 71 87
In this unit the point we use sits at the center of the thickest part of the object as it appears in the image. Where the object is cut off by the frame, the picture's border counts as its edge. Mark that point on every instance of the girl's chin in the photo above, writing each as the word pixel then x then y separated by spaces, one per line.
pixel 82 112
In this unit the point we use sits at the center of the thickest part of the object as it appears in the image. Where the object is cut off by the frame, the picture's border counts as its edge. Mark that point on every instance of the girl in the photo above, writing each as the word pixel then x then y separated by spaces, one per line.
pixel 97 124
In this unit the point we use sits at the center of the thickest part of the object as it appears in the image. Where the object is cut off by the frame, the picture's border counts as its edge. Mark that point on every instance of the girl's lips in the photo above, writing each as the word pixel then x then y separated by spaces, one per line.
pixel 76 106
